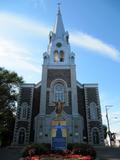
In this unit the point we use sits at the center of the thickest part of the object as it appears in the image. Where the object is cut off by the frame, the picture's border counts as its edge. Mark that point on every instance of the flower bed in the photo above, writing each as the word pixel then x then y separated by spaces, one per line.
pixel 57 157
pixel 44 152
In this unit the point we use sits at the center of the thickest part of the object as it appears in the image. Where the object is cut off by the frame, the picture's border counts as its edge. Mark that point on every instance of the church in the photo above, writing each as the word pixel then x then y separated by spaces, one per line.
pixel 58 101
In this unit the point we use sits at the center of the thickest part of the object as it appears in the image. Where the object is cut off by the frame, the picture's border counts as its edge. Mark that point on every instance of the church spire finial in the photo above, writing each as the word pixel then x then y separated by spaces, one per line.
pixel 59 7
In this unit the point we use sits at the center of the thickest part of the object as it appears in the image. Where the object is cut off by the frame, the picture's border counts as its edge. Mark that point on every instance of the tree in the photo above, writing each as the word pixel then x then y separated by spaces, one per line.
pixel 9 84
pixel 105 131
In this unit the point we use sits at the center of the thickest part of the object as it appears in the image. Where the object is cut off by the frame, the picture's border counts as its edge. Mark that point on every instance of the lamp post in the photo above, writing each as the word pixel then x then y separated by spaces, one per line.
pixel 108 124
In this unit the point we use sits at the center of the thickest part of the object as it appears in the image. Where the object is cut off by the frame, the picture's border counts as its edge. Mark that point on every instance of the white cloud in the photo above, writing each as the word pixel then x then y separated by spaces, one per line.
pixel 16 57
pixel 41 30
pixel 87 41
pixel 16 21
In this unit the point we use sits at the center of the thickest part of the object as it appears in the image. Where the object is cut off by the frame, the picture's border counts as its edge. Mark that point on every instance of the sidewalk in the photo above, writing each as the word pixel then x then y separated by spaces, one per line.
pixel 108 153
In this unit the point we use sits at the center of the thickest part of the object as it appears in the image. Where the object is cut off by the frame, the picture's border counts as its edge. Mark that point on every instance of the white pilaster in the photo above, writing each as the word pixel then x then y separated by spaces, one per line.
pixel 43 91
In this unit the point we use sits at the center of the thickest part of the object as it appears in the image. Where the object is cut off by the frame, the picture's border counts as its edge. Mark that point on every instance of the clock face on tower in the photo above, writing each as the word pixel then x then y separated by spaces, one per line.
pixel 58 44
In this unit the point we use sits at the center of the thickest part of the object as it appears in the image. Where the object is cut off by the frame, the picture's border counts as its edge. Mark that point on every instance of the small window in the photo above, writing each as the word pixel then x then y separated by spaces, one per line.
pixel 56 58
pixel 61 56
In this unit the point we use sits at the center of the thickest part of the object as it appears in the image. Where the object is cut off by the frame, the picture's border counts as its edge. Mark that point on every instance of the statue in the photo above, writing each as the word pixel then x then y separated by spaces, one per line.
pixel 59 107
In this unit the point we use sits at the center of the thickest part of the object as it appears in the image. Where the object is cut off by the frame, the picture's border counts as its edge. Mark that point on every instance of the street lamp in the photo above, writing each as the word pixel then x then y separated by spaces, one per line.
pixel 108 124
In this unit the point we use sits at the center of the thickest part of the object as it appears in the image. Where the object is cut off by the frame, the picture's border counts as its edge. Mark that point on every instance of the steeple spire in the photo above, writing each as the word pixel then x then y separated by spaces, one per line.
pixel 59 7
pixel 59 27
pixel 59 52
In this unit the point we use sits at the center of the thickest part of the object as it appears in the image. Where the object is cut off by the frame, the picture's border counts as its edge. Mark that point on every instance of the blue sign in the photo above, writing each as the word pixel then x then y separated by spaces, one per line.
pixel 59 142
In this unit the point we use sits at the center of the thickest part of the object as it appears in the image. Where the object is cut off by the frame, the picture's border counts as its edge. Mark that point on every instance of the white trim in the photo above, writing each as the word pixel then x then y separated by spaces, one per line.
pixel 79 85
pixel 58 66
pixel 74 91
pixel 25 85
pixel 38 84
pixel 92 85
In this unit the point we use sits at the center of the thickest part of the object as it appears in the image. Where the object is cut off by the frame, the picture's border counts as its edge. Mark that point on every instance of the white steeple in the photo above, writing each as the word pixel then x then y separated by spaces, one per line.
pixel 59 27
pixel 58 52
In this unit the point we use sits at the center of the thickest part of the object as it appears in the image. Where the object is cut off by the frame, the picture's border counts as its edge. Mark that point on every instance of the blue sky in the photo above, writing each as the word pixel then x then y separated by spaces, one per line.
pixel 93 26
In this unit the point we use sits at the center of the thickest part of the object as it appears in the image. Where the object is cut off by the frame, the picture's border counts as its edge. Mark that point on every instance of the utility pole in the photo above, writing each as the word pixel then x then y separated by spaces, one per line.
pixel 108 124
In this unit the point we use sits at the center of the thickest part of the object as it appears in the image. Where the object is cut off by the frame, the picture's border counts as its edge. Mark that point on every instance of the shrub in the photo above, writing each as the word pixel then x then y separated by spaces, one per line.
pixel 70 146
pixel 74 150
pixel 36 149
pixel 82 149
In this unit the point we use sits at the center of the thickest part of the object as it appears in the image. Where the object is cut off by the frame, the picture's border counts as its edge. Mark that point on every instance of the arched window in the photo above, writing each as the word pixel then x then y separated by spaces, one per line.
pixel 50 38
pixel 56 57
pixel 67 39
pixel 59 92
pixel 24 109
pixel 95 136
pixel 61 56
pixel 21 138
pixel 72 59
pixel 93 111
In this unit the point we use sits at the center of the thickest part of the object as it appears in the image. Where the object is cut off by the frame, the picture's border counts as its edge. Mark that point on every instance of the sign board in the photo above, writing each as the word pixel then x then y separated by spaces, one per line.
pixel 59 143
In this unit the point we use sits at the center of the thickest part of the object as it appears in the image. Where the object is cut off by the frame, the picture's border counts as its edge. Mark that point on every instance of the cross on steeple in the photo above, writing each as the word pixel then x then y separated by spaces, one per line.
pixel 58 6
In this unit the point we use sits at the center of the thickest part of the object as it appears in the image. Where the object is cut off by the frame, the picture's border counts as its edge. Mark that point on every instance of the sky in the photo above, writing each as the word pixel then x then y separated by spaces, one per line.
pixel 94 30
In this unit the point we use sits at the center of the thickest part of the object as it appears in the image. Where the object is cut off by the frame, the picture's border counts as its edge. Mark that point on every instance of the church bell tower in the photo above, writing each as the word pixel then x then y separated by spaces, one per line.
pixel 59 67
pixel 58 82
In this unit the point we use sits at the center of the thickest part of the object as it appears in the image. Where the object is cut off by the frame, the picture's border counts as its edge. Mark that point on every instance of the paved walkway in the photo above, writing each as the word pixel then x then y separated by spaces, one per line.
pixel 104 153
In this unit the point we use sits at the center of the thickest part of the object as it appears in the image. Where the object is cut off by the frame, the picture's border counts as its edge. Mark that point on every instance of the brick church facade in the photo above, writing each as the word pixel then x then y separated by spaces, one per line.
pixel 81 113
